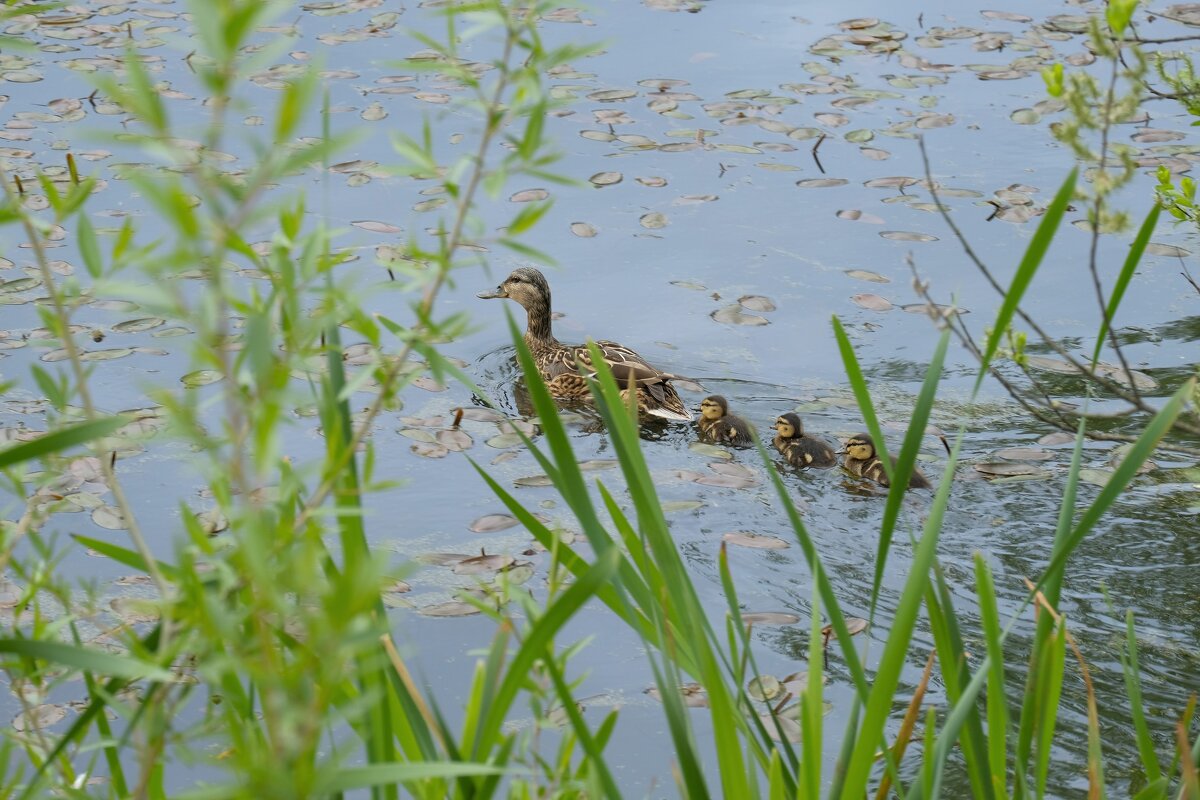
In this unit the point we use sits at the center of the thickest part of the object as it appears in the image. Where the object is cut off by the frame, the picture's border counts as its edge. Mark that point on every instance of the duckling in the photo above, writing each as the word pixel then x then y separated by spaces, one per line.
pixel 566 367
pixel 800 450
pixel 863 461
pixel 718 426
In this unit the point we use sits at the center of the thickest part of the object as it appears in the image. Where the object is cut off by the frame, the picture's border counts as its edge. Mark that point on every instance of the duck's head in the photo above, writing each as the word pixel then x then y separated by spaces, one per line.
pixel 860 447
pixel 714 407
pixel 789 426
pixel 526 285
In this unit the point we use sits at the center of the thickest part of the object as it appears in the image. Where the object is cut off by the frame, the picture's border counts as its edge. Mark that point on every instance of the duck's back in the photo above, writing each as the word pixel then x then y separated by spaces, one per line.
pixel 727 430
pixel 805 451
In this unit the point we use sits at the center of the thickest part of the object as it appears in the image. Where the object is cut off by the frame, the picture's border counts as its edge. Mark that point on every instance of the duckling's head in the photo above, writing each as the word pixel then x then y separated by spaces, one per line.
pixel 860 447
pixel 714 407
pixel 789 426
pixel 526 285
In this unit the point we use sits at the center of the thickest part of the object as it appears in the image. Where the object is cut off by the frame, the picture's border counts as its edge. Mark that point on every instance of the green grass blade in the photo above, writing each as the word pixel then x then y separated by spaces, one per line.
pixel 858 384
pixel 1049 682
pixel 385 775
pixel 997 698
pixel 887 674
pixel 1125 472
pixel 61 439
pixel 560 611
pixel 591 746
pixel 1030 262
pixel 1127 269
pixel 1133 690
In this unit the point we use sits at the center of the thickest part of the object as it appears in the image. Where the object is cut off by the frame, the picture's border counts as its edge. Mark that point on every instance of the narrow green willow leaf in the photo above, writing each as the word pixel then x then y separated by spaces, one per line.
pixel 124 555
pixel 1030 262
pixel 86 658
pixel 61 439
pixel 1136 250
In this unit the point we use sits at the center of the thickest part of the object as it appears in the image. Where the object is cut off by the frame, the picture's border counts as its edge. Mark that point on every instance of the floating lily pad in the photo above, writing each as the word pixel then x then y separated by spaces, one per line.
pixel 764 688
pixel 1160 249
pixel 583 230
pixel 40 716
pixel 212 521
pixel 201 377
pixel 733 315
pixel 756 302
pixel 454 440
pixel 529 196
pixel 710 450
pixel 759 541
pixel 109 518
pixel 908 236
pixel 138 325
pixel 1056 438
pixel 1023 454
pixel 534 480
pixel 480 564
pixel 726 481
pixel 673 506
pixel 770 618
pixel 482 414
pixel 490 523
pixel 1096 477
pixel 693 695
pixel 451 608
pixel 821 183
pixel 854 215
pixel 427 450
pixel 375 226
pixel 654 220
pixel 505 440
pixel 1006 468
pixel 867 275
pixel 872 302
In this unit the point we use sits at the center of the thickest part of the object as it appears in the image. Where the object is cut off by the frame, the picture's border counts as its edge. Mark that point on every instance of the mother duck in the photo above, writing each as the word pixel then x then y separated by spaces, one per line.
pixel 566 367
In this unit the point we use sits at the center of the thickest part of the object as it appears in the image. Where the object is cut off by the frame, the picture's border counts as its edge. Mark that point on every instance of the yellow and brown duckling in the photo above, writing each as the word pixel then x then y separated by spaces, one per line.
pixel 718 426
pixel 798 449
pixel 863 461
pixel 566 367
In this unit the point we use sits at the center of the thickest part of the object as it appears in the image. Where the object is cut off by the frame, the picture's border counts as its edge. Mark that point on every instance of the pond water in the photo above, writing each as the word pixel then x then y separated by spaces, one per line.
pixel 763 81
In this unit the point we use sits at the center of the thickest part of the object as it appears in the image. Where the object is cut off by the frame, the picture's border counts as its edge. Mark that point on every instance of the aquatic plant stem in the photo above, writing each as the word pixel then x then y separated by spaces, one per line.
pixel 63 316
pixel 494 118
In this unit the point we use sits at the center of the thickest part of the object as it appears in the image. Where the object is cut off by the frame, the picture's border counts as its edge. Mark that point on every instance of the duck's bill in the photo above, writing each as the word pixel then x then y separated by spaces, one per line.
pixel 492 294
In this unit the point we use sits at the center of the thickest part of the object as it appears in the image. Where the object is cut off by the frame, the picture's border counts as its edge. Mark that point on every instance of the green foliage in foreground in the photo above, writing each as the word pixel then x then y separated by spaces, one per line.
pixel 273 640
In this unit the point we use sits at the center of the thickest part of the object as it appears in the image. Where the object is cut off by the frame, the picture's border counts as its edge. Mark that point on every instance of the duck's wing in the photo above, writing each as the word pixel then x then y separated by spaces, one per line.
pixel 626 366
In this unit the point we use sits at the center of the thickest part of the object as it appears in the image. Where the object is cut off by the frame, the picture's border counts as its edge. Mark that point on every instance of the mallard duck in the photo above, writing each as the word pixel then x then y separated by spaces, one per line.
pixel 566 367
pixel 800 450
pixel 718 426
pixel 863 461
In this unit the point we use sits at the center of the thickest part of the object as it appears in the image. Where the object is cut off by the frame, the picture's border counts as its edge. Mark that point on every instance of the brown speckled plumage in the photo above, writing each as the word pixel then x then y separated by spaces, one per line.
pixel 863 461
pixel 799 449
pixel 565 367
pixel 722 427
